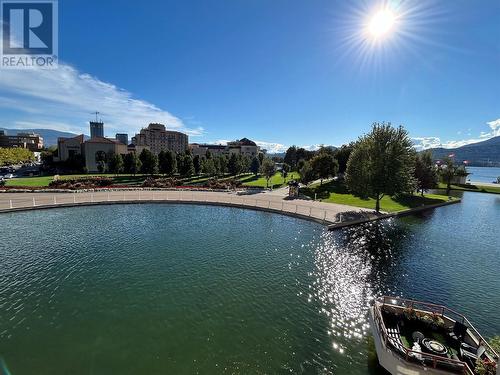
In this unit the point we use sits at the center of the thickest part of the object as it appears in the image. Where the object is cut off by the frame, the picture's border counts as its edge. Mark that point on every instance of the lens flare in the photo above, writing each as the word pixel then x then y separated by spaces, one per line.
pixel 381 23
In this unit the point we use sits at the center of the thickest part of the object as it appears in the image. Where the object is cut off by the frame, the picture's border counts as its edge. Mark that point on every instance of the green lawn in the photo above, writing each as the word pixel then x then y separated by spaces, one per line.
pixel 336 192
pixel 45 180
pixel 476 188
pixel 126 179
pixel 276 181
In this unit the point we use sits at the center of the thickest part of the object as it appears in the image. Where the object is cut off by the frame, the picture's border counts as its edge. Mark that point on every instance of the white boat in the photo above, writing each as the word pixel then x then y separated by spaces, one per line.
pixel 414 338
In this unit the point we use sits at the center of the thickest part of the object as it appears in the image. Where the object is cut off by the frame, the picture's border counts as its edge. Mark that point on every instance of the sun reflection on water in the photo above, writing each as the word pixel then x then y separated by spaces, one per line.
pixel 351 268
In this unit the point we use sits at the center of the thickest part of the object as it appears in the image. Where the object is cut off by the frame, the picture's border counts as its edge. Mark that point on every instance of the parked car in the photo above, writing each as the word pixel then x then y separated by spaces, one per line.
pixel 8 176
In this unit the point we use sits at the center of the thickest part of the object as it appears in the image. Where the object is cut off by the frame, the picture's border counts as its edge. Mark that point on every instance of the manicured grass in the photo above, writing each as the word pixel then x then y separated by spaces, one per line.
pixel 45 180
pixel 476 188
pixel 336 192
pixel 276 181
pixel 29 181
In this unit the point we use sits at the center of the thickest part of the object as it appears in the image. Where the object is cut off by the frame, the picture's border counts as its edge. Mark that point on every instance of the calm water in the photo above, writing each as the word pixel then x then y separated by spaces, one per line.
pixel 155 289
pixel 483 174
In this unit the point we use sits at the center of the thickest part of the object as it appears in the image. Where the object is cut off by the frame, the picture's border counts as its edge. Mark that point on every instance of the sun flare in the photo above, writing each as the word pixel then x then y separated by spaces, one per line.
pixel 381 23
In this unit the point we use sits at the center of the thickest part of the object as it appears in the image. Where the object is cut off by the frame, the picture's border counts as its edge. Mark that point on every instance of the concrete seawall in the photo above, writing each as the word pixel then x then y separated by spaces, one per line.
pixel 330 214
pixel 411 211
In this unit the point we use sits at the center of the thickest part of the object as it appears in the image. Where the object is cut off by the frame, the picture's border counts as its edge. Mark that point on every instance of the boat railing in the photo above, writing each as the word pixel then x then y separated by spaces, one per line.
pixel 424 358
pixel 442 311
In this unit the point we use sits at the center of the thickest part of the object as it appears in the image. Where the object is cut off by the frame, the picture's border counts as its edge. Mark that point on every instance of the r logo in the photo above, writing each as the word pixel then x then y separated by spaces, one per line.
pixel 28 27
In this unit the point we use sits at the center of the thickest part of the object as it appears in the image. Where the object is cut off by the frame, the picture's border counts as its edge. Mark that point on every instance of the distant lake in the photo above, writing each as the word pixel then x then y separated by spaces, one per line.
pixel 483 174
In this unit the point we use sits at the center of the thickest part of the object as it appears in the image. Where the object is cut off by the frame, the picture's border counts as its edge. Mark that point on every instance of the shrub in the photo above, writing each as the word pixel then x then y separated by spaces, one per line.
pixel 214 183
pixel 160 182
pixel 81 183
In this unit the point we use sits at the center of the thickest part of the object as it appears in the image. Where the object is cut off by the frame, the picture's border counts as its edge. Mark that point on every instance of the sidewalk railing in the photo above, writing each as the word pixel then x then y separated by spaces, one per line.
pixel 65 199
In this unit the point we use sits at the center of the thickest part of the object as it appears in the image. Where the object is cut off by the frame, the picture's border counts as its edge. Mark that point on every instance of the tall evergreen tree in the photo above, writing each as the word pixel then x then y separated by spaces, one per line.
pixel 167 162
pixel 149 162
pixel 187 166
pixel 233 165
pixel 291 157
pixel 197 164
pixel 115 164
pixel 208 167
pixel 255 166
pixel 131 163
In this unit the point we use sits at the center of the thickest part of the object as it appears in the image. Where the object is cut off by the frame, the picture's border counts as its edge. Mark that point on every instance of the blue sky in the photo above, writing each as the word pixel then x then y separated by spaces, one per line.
pixel 280 72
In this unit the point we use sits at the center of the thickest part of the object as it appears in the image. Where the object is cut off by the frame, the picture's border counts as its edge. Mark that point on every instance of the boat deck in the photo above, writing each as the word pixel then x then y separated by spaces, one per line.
pixel 431 336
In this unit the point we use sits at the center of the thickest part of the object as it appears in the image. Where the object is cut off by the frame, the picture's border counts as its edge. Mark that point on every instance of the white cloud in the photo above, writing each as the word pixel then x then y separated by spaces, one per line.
pixel 271 147
pixel 423 143
pixel 311 147
pixel 495 127
pixel 64 98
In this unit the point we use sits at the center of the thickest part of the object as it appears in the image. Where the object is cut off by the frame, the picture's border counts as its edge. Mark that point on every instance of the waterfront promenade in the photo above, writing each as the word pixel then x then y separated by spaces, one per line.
pixel 326 213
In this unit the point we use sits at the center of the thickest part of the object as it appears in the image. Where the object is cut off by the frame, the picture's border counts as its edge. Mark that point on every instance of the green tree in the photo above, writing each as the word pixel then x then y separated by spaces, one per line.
pixel 448 170
pixel 162 156
pixel 197 164
pixel 302 153
pixel 245 163
pixel 233 165
pixel 149 162
pixel 284 171
pixel 187 166
pixel 167 162
pixel 208 167
pixel 268 169
pixel 15 155
pixel 307 174
pixel 261 157
pixel 222 165
pixel 425 172
pixel 291 157
pixel 255 166
pixel 131 163
pixel 115 164
pixel 342 155
pixel 382 163
pixel 324 165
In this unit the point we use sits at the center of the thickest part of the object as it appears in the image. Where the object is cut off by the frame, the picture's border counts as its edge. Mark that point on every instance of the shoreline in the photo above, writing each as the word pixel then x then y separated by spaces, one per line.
pixel 332 215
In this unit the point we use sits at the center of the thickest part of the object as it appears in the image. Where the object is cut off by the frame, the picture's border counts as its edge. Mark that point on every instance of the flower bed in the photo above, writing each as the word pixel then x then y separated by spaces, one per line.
pixel 224 184
pixel 161 182
pixel 81 183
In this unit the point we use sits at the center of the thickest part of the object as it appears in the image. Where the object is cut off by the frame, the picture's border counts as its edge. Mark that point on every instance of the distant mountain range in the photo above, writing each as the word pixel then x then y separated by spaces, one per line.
pixel 49 136
pixel 485 153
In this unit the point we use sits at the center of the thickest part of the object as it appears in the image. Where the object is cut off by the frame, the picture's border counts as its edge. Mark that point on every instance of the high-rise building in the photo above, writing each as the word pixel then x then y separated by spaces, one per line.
pixel 96 129
pixel 122 137
pixel 157 138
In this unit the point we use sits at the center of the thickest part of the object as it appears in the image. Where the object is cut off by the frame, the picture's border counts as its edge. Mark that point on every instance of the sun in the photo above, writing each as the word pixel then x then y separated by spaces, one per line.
pixel 381 23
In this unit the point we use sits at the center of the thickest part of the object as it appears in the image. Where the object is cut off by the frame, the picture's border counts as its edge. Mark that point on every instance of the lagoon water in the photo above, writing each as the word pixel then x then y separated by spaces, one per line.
pixel 181 289
pixel 483 174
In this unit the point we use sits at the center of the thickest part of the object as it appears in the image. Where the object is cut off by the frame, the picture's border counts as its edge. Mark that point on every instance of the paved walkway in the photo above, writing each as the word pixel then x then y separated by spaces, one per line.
pixel 326 213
